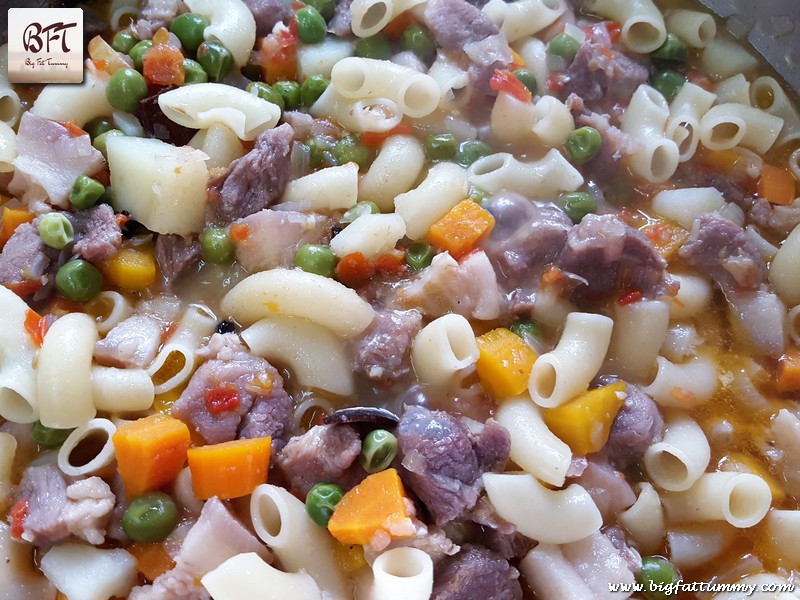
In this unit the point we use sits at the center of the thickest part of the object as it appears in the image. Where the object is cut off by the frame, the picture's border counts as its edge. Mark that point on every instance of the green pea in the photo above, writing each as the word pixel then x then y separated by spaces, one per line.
pixel 321 501
pixel 470 151
pixel 124 41
pixel 376 47
pixel 527 330
pixel 266 92
pixel 108 196
pixel 47 437
pixel 125 89
pixel 138 51
pixel 319 150
pixel 477 194
pixel 669 83
pixel 85 192
pixel 528 79
pixel 216 245
pixel 417 39
pixel 311 27
pixel 290 92
pixel 150 517
pixel 189 29
pixel 584 144
pixel 312 89
pixel 378 451
pixel 56 230
pixel 98 126
pixel 327 8
pixel 101 140
pixel 316 258
pixel 673 50
pixel 577 205
pixel 193 72
pixel 565 46
pixel 215 59
pixel 359 210
pixel 350 149
pixel 419 255
pixel 657 576
pixel 441 146
pixel 79 280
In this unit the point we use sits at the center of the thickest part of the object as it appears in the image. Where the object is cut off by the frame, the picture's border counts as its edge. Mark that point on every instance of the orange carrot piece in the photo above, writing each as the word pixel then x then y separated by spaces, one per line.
pixel 505 363
pixel 789 371
pixel 461 228
pixel 13 218
pixel 395 28
pixel 152 560
pixel 667 237
pixel 239 232
pixel 374 139
pixel 349 557
pixel 230 469
pixel 36 326
pixel 277 55
pixel 777 185
pixel 374 505
pixel 150 452
pixel 724 160
pixel 163 65
pixel 584 422
pixel 354 269
pixel 73 128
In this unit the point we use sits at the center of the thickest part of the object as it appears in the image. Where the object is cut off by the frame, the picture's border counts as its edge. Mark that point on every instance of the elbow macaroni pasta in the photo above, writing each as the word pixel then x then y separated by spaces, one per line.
pixel 566 371
pixel 695 28
pixel 640 329
pixel 281 521
pixel 295 293
pixel 444 186
pixel 523 18
pixel 645 519
pixel 18 393
pixel 65 379
pixel 94 431
pixel 326 189
pixel 741 499
pixel 176 360
pixel 681 457
pixel 645 120
pixel 372 235
pixel 315 355
pixel 201 105
pixel 728 125
pixel 246 577
pixel 360 115
pixel 547 516
pixel 683 385
pixel 232 24
pixel 416 94
pixel 533 446
pixel 442 349
pixel 402 574
pixel 398 165
pixel 643 27
pixel 543 178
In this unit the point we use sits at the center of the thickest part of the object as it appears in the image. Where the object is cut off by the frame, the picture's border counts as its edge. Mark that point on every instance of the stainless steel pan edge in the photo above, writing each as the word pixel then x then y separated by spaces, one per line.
pixel 771 26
